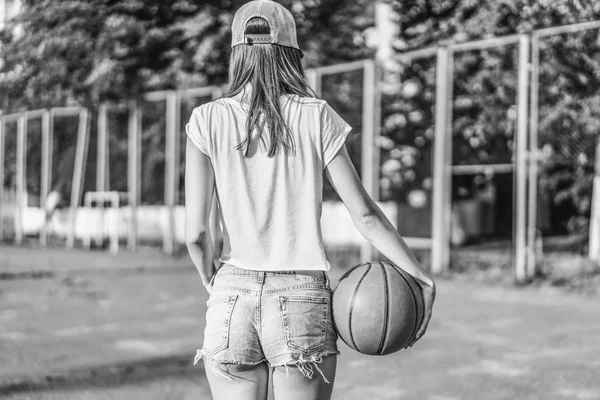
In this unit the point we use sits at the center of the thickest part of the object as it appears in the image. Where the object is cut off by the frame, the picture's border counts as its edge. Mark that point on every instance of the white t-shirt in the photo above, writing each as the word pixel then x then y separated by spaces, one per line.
pixel 270 206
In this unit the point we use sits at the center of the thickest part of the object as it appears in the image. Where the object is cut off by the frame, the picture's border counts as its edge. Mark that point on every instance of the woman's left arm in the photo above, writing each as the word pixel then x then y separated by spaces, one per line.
pixel 199 187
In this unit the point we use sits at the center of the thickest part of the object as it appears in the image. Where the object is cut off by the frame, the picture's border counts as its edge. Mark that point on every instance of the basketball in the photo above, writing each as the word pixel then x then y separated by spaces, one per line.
pixel 377 308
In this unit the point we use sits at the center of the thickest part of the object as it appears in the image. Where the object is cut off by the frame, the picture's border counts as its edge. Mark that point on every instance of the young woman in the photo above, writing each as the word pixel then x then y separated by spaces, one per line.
pixel 263 149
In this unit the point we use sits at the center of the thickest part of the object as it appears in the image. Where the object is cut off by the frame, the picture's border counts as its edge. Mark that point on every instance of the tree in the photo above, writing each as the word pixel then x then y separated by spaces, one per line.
pixel 484 95
pixel 83 52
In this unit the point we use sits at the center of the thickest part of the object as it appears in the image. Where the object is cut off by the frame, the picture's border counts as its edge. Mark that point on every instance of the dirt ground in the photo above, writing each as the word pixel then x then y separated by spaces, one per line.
pixel 90 325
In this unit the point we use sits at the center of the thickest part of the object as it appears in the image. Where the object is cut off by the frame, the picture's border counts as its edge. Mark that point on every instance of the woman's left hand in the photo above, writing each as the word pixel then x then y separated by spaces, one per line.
pixel 208 284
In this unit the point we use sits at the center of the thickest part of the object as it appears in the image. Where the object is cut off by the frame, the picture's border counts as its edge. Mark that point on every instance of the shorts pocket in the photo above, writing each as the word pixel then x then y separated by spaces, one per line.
pixel 304 322
pixel 218 320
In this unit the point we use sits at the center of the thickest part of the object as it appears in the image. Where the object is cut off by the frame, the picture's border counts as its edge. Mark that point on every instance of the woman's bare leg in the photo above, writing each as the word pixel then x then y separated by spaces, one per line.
pixel 247 382
pixel 296 386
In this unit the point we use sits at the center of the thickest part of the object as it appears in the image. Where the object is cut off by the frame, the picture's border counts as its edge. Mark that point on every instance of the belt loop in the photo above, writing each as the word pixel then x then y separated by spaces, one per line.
pixel 261 276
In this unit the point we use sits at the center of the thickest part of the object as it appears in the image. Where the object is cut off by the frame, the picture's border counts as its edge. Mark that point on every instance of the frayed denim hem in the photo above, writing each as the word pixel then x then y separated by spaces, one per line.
pixel 307 364
pixel 217 365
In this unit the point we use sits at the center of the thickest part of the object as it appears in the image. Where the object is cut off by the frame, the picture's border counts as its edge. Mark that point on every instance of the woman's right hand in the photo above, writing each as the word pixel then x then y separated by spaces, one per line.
pixel 209 276
pixel 428 292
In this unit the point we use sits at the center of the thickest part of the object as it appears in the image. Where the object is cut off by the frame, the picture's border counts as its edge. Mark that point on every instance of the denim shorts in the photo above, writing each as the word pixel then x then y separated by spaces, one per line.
pixel 283 318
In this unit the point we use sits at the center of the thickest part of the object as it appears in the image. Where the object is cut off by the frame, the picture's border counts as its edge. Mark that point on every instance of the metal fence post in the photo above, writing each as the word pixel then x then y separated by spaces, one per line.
pixel 594 246
pixel 172 125
pixel 2 205
pixel 46 176
pixel 533 158
pixel 21 196
pixel 442 147
pixel 78 173
pixel 101 165
pixel 521 273
pixel 102 157
pixel 133 171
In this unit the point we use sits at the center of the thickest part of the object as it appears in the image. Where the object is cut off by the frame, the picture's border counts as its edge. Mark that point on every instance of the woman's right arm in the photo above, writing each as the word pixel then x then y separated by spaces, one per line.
pixel 368 218
pixel 372 223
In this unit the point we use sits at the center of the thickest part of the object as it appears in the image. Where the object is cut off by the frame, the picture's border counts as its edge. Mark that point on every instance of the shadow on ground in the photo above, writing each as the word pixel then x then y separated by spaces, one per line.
pixel 106 376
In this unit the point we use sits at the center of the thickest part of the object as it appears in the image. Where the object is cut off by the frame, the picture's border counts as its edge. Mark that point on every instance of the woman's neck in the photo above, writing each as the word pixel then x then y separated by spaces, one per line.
pixel 244 95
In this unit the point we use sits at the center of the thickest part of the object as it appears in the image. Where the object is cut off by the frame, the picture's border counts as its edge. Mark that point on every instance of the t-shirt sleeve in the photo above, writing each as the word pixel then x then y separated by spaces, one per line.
pixel 196 129
pixel 334 131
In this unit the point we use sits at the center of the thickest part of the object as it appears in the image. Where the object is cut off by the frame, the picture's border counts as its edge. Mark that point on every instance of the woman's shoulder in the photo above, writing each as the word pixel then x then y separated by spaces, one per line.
pixel 288 99
pixel 212 105
pixel 305 101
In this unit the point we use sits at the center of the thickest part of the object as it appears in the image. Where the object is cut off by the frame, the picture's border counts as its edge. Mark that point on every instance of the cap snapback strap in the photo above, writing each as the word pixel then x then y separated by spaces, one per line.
pixel 251 38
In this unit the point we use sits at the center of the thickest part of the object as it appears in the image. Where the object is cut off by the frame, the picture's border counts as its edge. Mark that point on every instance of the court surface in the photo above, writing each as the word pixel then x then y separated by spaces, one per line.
pixel 89 325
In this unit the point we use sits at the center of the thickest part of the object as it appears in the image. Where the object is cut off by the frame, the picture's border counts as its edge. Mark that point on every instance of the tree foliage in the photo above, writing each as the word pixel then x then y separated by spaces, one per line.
pixel 83 52
pixel 485 96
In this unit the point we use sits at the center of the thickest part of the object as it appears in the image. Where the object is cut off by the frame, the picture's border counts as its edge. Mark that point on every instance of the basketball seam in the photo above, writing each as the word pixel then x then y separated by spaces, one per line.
pixel 415 329
pixel 352 302
pixel 347 273
pixel 386 311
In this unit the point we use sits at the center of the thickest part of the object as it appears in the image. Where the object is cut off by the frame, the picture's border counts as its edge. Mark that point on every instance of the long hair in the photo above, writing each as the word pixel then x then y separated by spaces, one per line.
pixel 273 71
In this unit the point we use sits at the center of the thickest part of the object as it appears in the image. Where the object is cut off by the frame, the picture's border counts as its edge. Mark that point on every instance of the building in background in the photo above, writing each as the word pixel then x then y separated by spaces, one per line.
pixel 8 9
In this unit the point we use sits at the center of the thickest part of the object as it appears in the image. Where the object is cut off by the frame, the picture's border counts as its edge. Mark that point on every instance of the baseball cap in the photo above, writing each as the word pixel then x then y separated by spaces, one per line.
pixel 280 19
